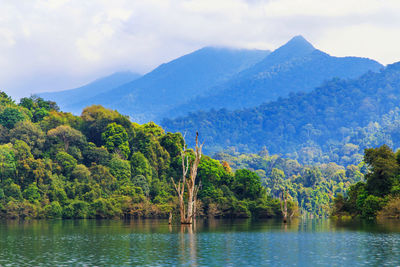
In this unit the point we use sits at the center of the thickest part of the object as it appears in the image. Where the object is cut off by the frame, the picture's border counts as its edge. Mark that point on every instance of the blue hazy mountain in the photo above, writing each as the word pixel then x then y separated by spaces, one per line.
pixel 175 82
pixel 295 66
pixel 66 99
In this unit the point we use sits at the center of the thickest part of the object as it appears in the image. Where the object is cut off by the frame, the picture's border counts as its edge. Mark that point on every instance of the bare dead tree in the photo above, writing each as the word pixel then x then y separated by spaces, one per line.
pixel 188 210
pixel 284 196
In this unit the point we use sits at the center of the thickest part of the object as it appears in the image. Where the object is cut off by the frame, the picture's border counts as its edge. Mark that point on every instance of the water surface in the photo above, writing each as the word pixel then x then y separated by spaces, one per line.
pixel 207 243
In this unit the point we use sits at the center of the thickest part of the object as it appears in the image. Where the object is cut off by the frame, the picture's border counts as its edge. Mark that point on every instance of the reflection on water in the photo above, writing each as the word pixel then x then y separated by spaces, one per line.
pixel 205 243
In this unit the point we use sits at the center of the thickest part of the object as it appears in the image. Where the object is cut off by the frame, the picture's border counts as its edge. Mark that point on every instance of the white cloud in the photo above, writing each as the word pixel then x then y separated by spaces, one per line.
pixel 57 44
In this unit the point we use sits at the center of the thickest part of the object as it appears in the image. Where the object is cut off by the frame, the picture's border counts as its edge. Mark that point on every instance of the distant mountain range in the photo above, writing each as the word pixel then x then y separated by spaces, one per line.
pixel 294 67
pixel 172 83
pixel 333 123
pixel 216 78
pixel 69 100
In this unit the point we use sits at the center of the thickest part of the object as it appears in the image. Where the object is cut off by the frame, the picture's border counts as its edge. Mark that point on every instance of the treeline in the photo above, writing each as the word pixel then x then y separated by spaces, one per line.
pixel 379 194
pixel 312 187
pixel 333 123
pixel 101 165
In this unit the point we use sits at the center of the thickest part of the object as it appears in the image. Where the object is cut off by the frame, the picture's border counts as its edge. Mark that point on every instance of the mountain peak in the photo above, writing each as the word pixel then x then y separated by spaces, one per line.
pixel 296 47
pixel 299 40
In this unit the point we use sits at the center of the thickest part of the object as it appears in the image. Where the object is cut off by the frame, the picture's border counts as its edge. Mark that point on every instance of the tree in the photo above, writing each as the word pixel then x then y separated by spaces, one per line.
pixel 95 120
pixel 10 116
pixel 31 134
pixel 277 179
pixel 93 154
pixel 66 135
pixel 383 169
pixel 142 182
pixel 38 107
pixel 247 184
pixel 55 119
pixel 66 161
pixel 81 173
pixel 188 211
pixel 7 162
pixel 104 178
pixel 120 168
pixel 173 143
pixel 31 193
pixel 115 139
pixel 140 166
pixel 311 176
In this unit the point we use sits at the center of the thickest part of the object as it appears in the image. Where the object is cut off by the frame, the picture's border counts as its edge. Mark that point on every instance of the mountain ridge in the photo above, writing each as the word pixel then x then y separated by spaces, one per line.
pixel 178 80
pixel 66 98
pixel 282 72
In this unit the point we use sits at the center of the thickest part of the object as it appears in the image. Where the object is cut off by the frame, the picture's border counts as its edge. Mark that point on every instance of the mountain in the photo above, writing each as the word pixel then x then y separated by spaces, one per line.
pixel 67 99
pixel 334 122
pixel 176 82
pixel 294 67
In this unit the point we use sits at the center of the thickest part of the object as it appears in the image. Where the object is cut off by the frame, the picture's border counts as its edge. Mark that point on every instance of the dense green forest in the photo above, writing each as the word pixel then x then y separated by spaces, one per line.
pixel 101 165
pixel 333 123
pixel 379 194
pixel 312 187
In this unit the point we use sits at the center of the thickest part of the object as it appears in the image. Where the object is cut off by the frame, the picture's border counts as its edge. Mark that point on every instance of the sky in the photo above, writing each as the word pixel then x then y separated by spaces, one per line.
pixel 51 45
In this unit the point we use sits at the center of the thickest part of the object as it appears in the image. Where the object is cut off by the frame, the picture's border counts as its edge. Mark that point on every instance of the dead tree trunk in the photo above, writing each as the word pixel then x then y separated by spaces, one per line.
pixel 170 217
pixel 187 211
pixel 284 206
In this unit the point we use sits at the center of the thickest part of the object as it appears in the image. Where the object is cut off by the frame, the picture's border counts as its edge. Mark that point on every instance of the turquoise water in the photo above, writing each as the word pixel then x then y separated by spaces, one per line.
pixel 208 243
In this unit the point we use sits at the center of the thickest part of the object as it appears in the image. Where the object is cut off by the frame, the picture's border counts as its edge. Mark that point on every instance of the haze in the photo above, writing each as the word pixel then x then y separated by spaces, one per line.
pixel 60 44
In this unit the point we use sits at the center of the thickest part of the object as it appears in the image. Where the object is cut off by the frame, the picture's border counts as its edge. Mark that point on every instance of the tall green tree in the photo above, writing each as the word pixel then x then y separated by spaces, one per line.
pixel 10 116
pixel 67 136
pixel 115 139
pixel 383 170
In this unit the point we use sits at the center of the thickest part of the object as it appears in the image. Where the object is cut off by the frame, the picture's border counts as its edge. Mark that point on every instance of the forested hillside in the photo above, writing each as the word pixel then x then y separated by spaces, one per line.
pixel 312 187
pixel 335 122
pixel 294 67
pixel 101 165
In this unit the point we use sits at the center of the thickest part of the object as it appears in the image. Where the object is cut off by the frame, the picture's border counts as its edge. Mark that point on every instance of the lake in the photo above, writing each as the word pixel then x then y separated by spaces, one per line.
pixel 214 242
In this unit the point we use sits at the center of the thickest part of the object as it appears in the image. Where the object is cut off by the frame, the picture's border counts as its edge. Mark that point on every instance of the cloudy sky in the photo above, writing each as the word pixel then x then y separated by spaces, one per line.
pixel 48 45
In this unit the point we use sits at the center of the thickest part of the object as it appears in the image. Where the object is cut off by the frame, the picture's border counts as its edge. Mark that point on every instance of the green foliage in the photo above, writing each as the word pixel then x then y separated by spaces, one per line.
pixel 54 210
pixel 97 118
pixel 81 173
pixel 313 188
pixel 115 139
pixel 372 205
pixel 49 169
pixel 7 162
pixel 120 168
pixel 38 107
pixel 97 155
pixel 173 143
pixel 333 123
pixel 67 136
pixel 140 166
pixel 247 185
pixel 31 193
pixel 13 190
pixel 31 134
pixel 67 162
pixel 384 168
pixel 382 180
pixel 10 116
